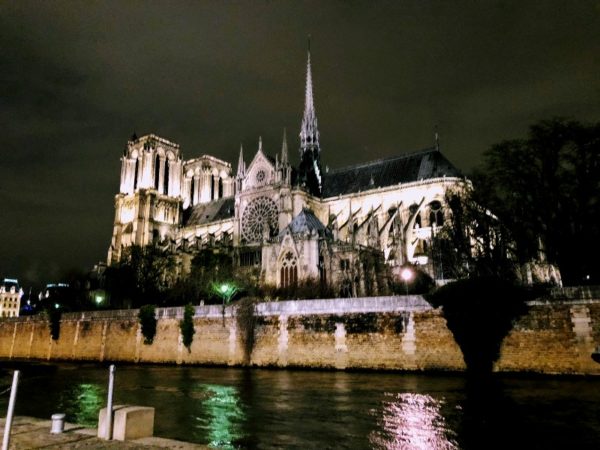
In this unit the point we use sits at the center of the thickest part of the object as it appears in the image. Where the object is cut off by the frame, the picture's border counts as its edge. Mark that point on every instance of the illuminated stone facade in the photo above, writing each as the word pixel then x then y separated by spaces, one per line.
pixel 350 228
pixel 10 298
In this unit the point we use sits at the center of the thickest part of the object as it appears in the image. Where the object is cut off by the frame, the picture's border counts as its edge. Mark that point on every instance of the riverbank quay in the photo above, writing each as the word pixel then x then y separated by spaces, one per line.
pixel 33 433
pixel 557 335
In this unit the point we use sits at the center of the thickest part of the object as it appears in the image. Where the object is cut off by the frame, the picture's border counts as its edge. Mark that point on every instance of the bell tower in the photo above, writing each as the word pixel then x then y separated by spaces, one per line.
pixel 148 204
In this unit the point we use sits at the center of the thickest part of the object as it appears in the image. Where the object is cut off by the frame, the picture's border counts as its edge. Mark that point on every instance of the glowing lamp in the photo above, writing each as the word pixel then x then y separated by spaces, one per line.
pixel 406 274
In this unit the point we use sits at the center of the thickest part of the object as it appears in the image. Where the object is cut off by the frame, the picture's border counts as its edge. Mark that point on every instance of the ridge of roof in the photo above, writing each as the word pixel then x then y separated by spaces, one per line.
pixel 383 160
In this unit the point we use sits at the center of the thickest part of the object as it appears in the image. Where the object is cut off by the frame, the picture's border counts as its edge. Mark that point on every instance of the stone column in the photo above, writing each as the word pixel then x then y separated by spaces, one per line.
pixel 227 187
pixel 161 175
pixel 175 178
pixel 123 173
pixel 139 172
pixel 187 192
pixel 215 180
pixel 146 174
pixel 128 176
pixel 196 193
pixel 205 182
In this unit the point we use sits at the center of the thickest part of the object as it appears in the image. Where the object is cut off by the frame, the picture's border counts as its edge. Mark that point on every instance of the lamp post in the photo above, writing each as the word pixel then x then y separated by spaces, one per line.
pixel 226 291
pixel 406 275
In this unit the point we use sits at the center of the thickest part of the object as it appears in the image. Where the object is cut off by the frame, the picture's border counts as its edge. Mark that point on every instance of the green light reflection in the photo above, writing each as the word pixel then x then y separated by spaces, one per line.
pixel 81 403
pixel 223 416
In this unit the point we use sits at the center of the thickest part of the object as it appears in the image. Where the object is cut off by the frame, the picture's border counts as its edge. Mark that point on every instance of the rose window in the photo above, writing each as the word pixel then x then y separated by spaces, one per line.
pixel 259 220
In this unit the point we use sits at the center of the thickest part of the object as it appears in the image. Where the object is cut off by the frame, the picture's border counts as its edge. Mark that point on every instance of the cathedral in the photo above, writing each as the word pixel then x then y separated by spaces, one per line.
pixel 347 227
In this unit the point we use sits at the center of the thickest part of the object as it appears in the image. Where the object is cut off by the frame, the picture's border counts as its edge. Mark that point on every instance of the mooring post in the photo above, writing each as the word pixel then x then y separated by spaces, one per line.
pixel 11 410
pixel 109 405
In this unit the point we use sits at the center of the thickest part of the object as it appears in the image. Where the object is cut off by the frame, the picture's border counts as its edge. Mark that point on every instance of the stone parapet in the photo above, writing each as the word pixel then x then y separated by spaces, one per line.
pixel 391 333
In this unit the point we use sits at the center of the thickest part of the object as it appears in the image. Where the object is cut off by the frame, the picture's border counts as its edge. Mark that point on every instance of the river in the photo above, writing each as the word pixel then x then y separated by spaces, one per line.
pixel 264 409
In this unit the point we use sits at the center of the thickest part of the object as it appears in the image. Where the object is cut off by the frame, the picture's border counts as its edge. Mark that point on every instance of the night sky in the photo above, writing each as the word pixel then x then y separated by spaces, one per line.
pixel 77 78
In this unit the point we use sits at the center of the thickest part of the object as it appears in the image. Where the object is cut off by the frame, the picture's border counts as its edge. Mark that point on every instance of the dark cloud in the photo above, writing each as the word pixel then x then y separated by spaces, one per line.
pixel 77 78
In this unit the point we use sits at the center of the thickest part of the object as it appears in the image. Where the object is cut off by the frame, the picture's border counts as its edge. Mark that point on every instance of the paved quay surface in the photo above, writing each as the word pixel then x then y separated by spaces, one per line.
pixel 31 433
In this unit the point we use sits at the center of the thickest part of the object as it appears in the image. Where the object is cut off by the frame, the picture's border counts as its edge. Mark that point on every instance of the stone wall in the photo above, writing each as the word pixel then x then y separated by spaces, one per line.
pixel 554 337
pixel 394 333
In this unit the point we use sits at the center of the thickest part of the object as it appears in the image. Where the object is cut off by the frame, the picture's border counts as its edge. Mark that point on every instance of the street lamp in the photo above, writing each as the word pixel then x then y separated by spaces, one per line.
pixel 226 291
pixel 406 275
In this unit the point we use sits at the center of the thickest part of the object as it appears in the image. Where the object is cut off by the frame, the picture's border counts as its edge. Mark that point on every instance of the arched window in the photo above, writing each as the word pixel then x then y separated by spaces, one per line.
pixel 436 215
pixel 156 171
pixel 192 187
pixel 322 270
pixel 413 210
pixel 135 174
pixel 288 274
pixel 166 184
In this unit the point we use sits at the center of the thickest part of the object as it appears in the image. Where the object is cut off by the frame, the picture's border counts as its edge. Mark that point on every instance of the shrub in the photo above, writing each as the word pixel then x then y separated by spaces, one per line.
pixel 147 317
pixel 186 325
pixel 246 322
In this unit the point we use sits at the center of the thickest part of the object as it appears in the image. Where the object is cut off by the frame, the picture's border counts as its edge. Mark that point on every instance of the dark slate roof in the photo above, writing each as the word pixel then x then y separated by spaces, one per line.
pixel 8 283
pixel 306 222
pixel 214 211
pixel 422 165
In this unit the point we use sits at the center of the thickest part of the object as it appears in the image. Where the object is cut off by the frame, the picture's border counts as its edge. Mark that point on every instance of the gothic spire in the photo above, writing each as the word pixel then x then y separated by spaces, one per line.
pixel 241 170
pixel 284 148
pixel 310 161
pixel 309 133
pixel 260 144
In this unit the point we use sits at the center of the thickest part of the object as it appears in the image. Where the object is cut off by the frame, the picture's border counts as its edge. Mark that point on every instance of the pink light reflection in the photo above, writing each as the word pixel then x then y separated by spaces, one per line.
pixel 411 421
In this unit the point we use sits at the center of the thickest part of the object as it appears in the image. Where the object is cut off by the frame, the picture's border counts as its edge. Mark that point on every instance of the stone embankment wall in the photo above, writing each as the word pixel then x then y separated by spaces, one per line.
pixel 396 333
pixel 558 335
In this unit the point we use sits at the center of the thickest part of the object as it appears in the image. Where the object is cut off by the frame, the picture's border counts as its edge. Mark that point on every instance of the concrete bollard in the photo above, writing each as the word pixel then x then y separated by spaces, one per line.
pixel 58 423
pixel 133 422
pixel 130 422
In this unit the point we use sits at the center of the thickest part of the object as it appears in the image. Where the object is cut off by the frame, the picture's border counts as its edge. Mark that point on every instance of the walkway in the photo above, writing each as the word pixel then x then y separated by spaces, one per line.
pixel 31 433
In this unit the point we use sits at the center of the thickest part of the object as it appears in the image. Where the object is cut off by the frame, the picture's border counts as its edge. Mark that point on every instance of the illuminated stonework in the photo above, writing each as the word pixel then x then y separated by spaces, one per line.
pixel 349 228
pixel 259 220
pixel 10 298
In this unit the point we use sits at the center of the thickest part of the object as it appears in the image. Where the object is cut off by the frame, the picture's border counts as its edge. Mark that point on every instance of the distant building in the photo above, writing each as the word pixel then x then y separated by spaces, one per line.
pixel 10 298
pixel 347 227
pixel 57 295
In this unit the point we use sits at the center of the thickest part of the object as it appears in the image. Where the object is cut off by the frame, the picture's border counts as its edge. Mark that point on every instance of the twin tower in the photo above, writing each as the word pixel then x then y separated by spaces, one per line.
pixel 159 189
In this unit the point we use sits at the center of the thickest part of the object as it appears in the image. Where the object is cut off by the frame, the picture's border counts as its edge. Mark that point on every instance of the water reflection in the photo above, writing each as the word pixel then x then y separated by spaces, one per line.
pixel 411 421
pixel 222 417
pixel 267 409
pixel 81 403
